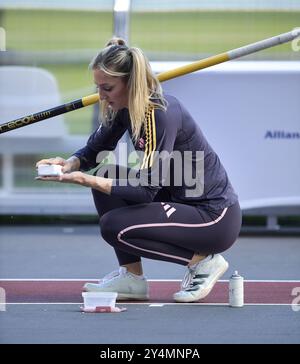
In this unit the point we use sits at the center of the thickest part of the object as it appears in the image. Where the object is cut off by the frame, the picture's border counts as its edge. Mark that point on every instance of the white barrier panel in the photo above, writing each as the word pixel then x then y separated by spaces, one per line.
pixel 25 91
pixel 249 112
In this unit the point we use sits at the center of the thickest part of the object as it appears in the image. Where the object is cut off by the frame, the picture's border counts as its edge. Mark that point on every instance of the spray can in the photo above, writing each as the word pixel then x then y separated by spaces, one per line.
pixel 236 290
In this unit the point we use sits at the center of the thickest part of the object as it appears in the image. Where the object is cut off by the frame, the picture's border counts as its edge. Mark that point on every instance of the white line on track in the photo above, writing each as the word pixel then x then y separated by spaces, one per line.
pixel 151 304
pixel 149 280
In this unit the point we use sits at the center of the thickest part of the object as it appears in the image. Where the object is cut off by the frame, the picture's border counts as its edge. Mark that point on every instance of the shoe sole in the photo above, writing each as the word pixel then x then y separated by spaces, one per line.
pixel 128 297
pixel 206 291
pixel 121 296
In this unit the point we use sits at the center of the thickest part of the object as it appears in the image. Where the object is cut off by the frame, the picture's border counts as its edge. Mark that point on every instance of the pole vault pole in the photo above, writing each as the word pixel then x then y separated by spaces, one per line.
pixel 164 76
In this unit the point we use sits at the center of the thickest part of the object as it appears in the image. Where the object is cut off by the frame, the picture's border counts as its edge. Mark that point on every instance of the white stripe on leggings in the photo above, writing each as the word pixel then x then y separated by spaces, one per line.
pixel 168 224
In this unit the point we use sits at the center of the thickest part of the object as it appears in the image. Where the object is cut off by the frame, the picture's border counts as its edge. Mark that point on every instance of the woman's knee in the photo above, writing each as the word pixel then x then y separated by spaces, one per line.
pixel 100 201
pixel 109 227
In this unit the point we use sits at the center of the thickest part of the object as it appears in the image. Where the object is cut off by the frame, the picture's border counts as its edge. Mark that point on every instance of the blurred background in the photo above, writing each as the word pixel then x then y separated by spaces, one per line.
pixel 61 37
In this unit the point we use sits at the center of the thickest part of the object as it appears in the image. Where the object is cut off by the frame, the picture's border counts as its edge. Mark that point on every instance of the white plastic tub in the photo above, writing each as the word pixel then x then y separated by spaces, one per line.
pixel 49 170
pixel 91 300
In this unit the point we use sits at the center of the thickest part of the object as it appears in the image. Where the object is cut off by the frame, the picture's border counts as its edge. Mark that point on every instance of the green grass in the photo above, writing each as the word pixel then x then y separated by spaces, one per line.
pixel 75 81
pixel 189 34
pixel 184 32
pixel 209 31
pixel 56 30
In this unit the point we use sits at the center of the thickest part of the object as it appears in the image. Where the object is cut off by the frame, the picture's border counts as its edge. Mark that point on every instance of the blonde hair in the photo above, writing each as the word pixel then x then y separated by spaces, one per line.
pixel 144 89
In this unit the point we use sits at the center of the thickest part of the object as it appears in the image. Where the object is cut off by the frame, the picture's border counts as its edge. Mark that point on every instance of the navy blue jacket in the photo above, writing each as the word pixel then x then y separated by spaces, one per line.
pixel 175 156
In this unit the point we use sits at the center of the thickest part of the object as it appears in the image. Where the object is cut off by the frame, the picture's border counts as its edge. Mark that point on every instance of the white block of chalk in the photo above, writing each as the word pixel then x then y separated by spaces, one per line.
pixel 49 170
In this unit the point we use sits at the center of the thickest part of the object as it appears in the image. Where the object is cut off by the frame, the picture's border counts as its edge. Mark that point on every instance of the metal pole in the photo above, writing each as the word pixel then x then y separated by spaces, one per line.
pixel 121 19
pixel 121 15
pixel 121 30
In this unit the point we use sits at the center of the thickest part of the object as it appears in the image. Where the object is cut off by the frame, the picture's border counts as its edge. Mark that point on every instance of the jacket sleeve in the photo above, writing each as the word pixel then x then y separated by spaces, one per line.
pixel 105 138
pixel 160 135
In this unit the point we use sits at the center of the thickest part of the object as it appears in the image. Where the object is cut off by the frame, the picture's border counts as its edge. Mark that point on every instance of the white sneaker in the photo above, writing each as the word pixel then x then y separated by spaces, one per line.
pixel 199 281
pixel 124 283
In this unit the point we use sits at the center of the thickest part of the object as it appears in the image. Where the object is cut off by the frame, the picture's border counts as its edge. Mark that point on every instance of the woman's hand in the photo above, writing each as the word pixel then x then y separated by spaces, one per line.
pixel 70 165
pixel 72 175
pixel 98 183
pixel 69 169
